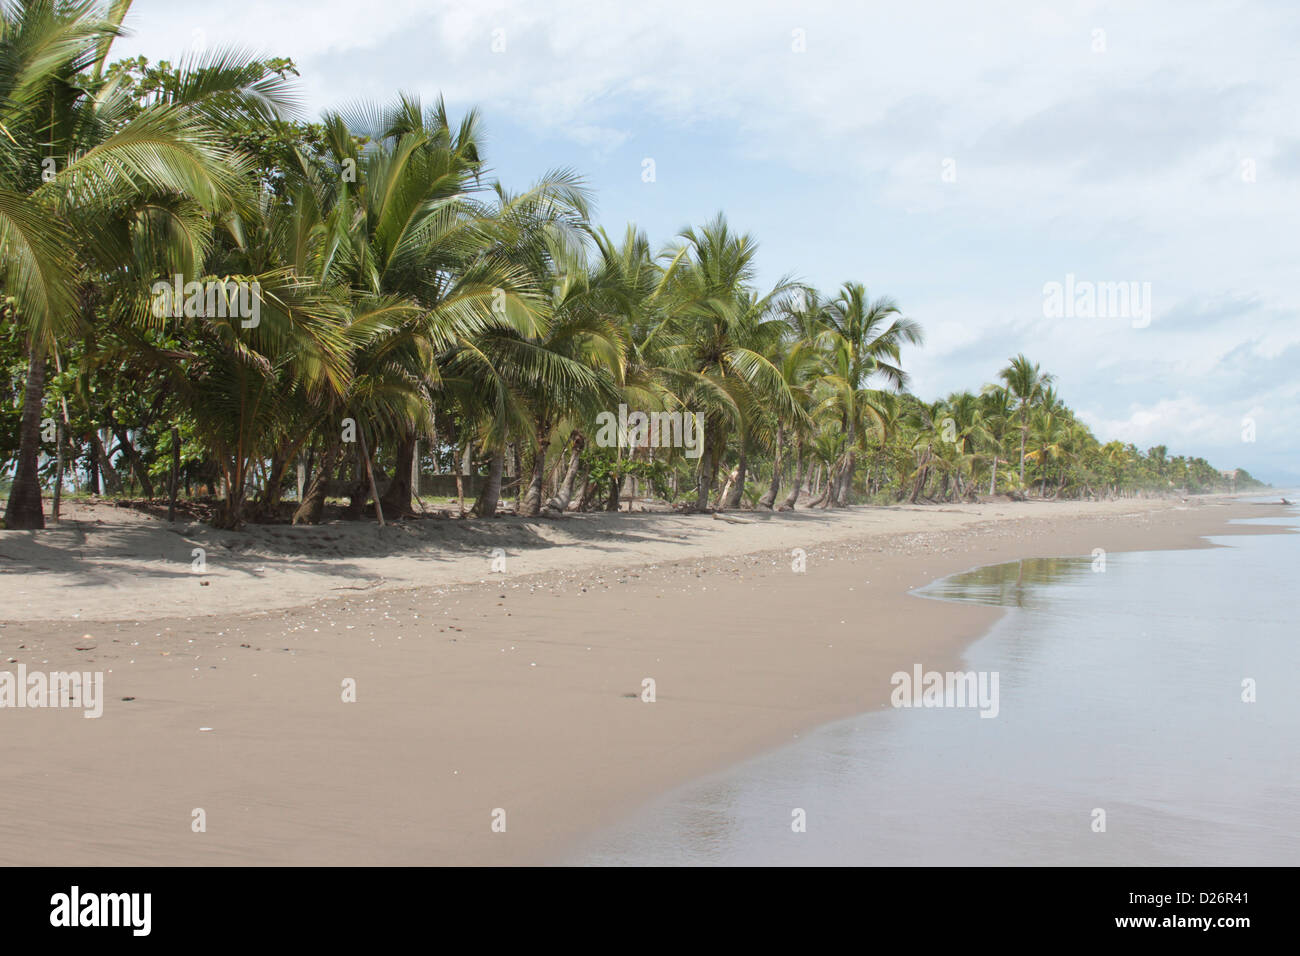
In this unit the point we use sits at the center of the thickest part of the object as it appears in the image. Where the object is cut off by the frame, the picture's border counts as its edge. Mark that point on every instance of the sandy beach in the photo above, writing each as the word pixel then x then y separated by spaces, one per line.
pixel 476 690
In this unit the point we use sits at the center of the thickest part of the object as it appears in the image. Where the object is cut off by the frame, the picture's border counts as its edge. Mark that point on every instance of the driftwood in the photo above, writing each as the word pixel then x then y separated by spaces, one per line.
pixel 722 517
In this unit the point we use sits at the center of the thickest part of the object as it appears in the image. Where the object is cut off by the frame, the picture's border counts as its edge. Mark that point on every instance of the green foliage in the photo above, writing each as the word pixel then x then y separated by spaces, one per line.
pixel 401 291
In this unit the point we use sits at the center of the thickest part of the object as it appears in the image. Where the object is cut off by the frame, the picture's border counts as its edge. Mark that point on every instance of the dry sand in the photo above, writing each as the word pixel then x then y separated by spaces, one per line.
pixel 474 690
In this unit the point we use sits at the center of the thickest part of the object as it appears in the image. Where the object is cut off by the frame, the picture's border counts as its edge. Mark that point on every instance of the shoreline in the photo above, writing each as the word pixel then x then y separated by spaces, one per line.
pixel 523 694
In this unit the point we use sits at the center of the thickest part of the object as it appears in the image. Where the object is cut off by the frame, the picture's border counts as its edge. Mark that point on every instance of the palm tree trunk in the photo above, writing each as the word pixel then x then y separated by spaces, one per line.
pixel 588 496
pixel 176 474
pixel 834 473
pixel 704 481
pixel 62 431
pixel 112 480
pixel 357 494
pixel 774 489
pixel 725 492
pixel 922 473
pixel 518 476
pixel 844 479
pixel 313 502
pixel 268 503
pixel 92 469
pixel 993 480
pixel 462 469
pixel 230 512
pixel 58 471
pixel 23 510
pixel 557 468
pixel 397 499
pixel 370 474
pixel 793 496
pixel 532 502
pixel 611 502
pixel 490 495
pixel 827 485
pixel 138 467
pixel 731 500
pixel 1024 430
pixel 823 500
pixel 565 493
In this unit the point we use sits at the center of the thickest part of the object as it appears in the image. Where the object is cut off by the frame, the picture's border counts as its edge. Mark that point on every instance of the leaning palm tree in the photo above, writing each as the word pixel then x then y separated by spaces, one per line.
pixel 1026 382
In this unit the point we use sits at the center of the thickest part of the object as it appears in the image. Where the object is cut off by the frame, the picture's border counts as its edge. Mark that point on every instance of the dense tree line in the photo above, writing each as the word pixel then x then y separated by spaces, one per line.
pixel 413 315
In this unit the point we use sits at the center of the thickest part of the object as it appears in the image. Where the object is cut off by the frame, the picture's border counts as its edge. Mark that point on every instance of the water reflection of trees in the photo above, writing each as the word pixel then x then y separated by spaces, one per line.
pixel 1010 584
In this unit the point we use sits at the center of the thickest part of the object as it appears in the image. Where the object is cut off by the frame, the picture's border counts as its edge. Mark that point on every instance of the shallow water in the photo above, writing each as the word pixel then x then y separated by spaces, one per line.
pixel 1119 690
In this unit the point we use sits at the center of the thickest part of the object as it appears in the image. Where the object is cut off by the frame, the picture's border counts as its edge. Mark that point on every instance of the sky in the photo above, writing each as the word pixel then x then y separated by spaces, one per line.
pixel 958 157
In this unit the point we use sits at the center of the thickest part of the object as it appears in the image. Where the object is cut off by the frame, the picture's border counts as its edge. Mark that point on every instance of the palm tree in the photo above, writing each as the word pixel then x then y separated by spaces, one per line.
pixel 927 420
pixel 795 355
pixel 892 411
pixel 1025 381
pixel 568 368
pixel 715 354
pixel 620 286
pixel 863 339
pixel 409 231
pixel 548 352
pixel 91 176
pixel 826 449
pixel 997 410
pixel 1049 433
pixel 1116 459
pixel 970 433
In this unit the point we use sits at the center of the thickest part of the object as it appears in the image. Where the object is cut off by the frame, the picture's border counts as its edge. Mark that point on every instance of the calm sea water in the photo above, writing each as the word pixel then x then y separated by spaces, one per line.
pixel 1119 691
